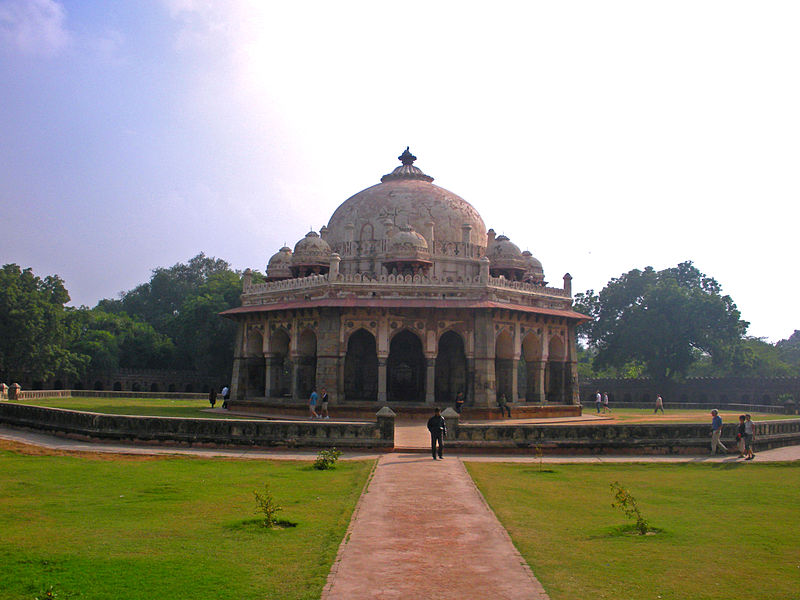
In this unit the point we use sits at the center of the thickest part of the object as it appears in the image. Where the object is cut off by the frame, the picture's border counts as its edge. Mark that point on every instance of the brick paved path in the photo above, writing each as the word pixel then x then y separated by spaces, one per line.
pixel 423 531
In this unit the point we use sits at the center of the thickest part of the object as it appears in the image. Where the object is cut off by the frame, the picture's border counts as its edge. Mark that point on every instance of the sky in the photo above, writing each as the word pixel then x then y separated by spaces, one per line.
pixel 601 136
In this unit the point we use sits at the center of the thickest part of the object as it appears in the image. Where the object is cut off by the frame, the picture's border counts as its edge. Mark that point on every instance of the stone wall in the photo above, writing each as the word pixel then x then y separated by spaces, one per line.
pixel 717 391
pixel 378 434
pixel 133 380
pixel 616 439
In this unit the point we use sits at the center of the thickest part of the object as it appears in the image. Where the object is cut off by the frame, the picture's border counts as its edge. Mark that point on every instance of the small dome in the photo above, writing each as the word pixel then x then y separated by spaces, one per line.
pixel 407 252
pixel 503 254
pixel 312 254
pixel 407 242
pixel 535 272
pixel 280 265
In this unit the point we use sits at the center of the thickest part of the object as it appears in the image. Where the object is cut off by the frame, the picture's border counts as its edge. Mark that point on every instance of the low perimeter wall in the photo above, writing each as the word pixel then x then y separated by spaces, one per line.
pixel 616 439
pixel 213 432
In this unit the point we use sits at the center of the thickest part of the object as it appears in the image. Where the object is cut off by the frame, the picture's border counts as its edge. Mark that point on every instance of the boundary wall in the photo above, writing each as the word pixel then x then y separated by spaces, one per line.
pixel 677 438
pixel 376 435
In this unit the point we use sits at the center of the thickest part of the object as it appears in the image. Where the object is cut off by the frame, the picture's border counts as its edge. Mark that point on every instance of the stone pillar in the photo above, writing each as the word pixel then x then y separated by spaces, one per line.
pixel 430 380
pixel 484 380
pixel 385 417
pixel 514 379
pixel 451 422
pixel 382 379
pixel 271 366
pixel 568 284
pixel 540 383
pixel 327 375
pixel 295 366
pixel 236 390
pixel 333 270
pixel 484 270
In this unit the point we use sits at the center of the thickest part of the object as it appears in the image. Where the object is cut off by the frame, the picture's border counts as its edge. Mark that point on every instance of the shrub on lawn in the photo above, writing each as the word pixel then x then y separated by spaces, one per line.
pixel 326 459
pixel 265 504
pixel 627 503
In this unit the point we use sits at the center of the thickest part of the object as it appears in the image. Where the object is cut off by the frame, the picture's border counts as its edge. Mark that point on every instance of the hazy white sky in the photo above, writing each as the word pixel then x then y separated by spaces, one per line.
pixel 601 136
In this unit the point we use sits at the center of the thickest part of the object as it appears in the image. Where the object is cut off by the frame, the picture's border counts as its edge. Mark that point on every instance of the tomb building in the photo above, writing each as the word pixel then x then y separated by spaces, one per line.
pixel 404 297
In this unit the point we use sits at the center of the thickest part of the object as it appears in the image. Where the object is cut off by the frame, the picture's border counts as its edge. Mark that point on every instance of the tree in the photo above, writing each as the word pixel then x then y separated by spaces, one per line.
pixel 183 303
pixel 664 320
pixel 33 331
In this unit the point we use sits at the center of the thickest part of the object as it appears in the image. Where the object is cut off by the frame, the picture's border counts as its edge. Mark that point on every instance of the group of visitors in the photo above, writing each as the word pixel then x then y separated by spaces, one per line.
pixel 323 400
pixel 601 402
pixel 225 394
pixel 745 434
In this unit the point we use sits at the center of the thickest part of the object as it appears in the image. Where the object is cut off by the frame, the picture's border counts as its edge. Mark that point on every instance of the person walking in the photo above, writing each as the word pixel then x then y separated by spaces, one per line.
pixel 749 437
pixel 659 405
pixel 740 443
pixel 324 400
pixel 598 401
pixel 438 429
pixel 312 404
pixel 212 397
pixel 716 432
pixel 501 402
pixel 605 403
pixel 225 393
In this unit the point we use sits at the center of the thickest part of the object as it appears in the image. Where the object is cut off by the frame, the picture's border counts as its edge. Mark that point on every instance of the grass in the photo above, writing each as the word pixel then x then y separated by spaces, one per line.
pixel 724 530
pixel 101 527
pixel 678 415
pixel 153 407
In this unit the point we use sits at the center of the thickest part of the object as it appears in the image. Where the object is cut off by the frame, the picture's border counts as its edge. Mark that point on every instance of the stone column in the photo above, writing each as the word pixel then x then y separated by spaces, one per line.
pixel 540 388
pixel 295 366
pixel 271 366
pixel 430 380
pixel 382 379
pixel 327 375
pixel 514 379
pixel 484 381
pixel 236 391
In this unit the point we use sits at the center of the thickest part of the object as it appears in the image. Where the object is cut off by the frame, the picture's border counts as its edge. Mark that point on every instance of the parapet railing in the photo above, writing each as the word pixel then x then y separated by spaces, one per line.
pixel 316 281
pixel 41 394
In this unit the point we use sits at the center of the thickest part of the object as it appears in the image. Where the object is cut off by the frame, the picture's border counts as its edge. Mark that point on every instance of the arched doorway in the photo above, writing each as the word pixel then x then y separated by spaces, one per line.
pixel 503 364
pixel 306 363
pixel 405 369
pixel 280 373
pixel 256 369
pixel 451 368
pixel 361 367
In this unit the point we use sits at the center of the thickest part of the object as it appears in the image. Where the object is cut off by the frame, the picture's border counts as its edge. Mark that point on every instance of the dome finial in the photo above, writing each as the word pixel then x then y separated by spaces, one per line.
pixel 406 157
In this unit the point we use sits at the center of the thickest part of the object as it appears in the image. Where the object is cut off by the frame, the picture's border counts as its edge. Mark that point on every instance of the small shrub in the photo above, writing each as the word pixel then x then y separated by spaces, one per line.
pixel 537 451
pixel 326 459
pixel 265 504
pixel 627 503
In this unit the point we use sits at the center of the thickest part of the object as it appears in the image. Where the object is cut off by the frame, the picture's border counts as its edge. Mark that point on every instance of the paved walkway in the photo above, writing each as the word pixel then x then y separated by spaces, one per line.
pixel 422 530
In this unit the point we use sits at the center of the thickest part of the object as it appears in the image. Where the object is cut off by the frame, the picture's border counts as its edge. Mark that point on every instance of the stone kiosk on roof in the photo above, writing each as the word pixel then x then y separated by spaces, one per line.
pixel 405 298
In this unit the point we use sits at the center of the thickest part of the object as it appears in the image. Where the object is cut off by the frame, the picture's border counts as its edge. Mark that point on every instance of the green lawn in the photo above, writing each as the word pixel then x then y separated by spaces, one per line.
pixel 725 530
pixel 95 527
pixel 154 407
pixel 678 415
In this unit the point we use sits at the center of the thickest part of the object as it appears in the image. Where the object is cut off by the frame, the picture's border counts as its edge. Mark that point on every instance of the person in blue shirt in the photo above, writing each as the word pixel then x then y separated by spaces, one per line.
pixel 716 432
pixel 312 404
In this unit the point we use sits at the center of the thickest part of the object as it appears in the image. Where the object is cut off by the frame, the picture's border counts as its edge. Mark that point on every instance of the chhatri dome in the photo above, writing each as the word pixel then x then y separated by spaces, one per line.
pixel 404 297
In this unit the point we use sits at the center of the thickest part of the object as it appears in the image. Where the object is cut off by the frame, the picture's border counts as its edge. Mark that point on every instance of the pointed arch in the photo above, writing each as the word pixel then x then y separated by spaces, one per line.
pixel 361 367
pixel 504 364
pixel 405 368
pixel 451 368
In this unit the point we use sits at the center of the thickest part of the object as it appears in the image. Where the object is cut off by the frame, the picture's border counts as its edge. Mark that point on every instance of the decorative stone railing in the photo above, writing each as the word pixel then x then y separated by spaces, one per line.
pixel 317 281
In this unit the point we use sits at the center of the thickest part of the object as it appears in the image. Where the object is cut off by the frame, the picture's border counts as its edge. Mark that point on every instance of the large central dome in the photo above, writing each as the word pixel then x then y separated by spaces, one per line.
pixel 406 198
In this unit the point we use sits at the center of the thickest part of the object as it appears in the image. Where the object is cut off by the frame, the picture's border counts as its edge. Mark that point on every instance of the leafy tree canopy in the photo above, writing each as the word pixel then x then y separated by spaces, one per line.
pixel 663 321
pixel 33 331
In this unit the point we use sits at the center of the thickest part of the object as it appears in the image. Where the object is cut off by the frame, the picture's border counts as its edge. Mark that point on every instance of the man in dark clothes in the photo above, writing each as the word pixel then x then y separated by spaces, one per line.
pixel 438 428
